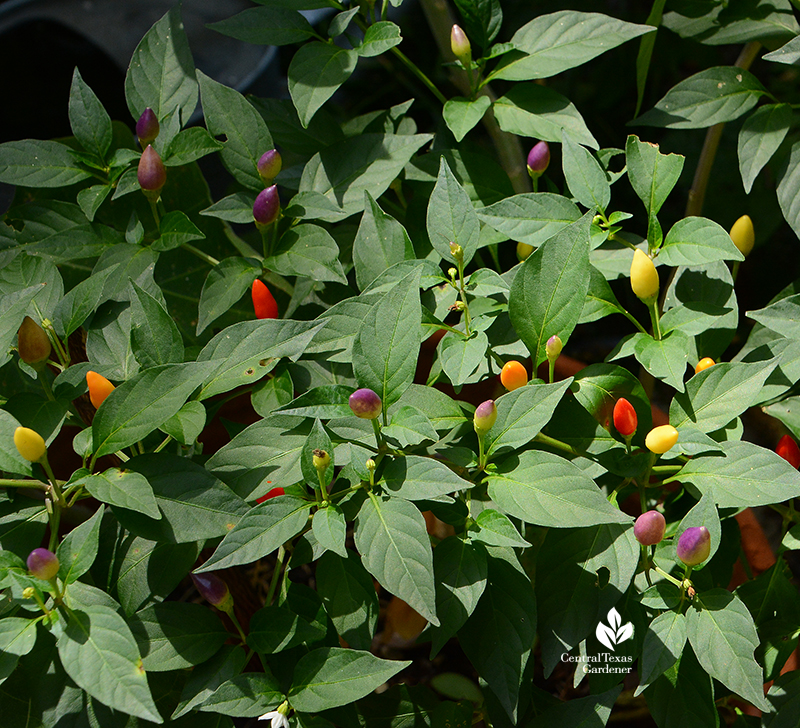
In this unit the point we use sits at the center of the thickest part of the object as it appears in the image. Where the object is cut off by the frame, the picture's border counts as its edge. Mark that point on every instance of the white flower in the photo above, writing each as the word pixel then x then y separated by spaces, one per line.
pixel 279 720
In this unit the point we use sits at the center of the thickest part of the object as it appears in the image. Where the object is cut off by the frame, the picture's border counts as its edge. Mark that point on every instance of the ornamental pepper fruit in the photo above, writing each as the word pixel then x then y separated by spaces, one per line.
pixel 365 404
pixel 649 528
pixel 788 450
pixel 524 251
pixel 704 364
pixel 538 159
pixel 269 166
pixel 553 347
pixel 33 344
pixel 264 303
pixel 152 174
pixel 485 416
pixel 43 564
pixel 99 388
pixel 513 375
pixel 694 545
pixel 213 590
pixel 147 128
pixel 743 235
pixel 267 207
pixel 459 44
pixel 271 494
pixel 661 439
pixel 644 277
pixel 30 444
pixel 625 419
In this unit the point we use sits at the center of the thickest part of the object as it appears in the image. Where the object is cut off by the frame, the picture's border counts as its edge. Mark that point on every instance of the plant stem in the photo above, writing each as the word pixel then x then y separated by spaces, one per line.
pixel 655 319
pixel 419 74
pixel 236 624
pixel 213 262
pixel 557 444
pixel 276 574
pixel 22 483
pixel 667 576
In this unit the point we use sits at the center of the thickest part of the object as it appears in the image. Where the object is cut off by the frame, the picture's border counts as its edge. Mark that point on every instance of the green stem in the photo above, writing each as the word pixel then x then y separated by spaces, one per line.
pixel 22 483
pixel 557 444
pixel 735 270
pixel 166 442
pixel 376 428
pixel 667 576
pixel 481 451
pixel 154 210
pixel 646 560
pixel 418 72
pixel 236 624
pixel 463 295
pixel 666 468
pixel 213 262
pixel 41 375
pixel 276 574
pixel 552 370
pixel 55 520
pixel 655 319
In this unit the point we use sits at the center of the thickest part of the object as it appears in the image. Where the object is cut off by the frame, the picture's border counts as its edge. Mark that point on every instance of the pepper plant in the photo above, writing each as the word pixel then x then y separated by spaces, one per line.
pixel 533 526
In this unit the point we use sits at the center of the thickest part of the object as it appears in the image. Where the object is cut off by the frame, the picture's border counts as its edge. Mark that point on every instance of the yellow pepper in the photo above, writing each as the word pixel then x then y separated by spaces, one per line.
pixel 30 444
pixel 661 439
pixel 644 277
pixel 743 235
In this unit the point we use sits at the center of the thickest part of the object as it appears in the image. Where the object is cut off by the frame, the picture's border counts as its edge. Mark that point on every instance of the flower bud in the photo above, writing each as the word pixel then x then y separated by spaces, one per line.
pixel 625 419
pixel 269 166
pixel 553 347
pixel 267 206
pixel 151 173
pixel 33 343
pixel 524 251
pixel 264 303
pixel 704 364
pixel 28 592
pixel 147 127
pixel 365 404
pixel 644 277
pixel 485 416
pixel 370 465
pixel 30 444
pixel 453 273
pixel 694 545
pixel 649 528
pixel 321 460
pixel 271 494
pixel 788 450
pixel 459 44
pixel 43 564
pixel 661 439
pixel 213 590
pixel 743 235
pixel 513 376
pixel 456 251
pixel 538 160
pixel 99 388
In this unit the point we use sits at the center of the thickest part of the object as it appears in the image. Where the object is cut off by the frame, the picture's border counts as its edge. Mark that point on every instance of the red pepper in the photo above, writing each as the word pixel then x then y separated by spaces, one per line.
pixel 788 450
pixel 271 494
pixel 625 419
pixel 263 302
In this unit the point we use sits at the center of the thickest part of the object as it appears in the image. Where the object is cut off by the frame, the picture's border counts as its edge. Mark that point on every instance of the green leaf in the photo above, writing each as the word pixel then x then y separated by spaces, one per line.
pixel 123 488
pixel 89 121
pixel 419 478
pixel 194 505
pixel 188 146
pixel 315 73
pixel 229 115
pixel 547 490
pixel 496 529
pixel 225 285
pixel 99 653
pixel 540 112
pixel 593 710
pixel 586 179
pixel 10 459
pixel 789 189
pixel 349 596
pixel 274 629
pixel 461 114
pixel 161 73
pixel 695 241
pixel 789 53
pixel 482 20
pixel 522 414
pixel 759 138
pixel 718 394
pixel 652 174
pixel 90 199
pixel 340 22
pixel 204 679
pixel 463 360
pixel 530 217
pixel 663 645
pixel 187 423
pixel 409 426
pixel 547 294
pixel 142 404
pixel 245 696
pixel 237 207
pixel 175 230
pixel 326 402
pixel 368 161
pixel 386 347
pixel 331 676
pixel 461 573
pixel 17 636
pixel 307 250
pixel 723 636
pixel 36 163
pixel 272 25
pixel 498 637
pixel 42 415
pixel 177 635
pixel 665 359
pixel 380 242
pixel 260 532
pixel 379 38
pixel 451 217
pixel 245 352
pixel 156 339
pixel 552 43
pixel 74 308
pixel 330 529
pixel 391 537
pixel 747 475
pixel 710 97
pixel 77 552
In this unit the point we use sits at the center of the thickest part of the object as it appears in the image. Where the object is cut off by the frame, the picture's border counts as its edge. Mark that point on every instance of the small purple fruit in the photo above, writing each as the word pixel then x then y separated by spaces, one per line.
pixel 212 589
pixel 269 166
pixel 694 545
pixel 267 206
pixel 538 160
pixel 459 44
pixel 485 416
pixel 151 173
pixel 365 404
pixel 649 528
pixel 43 564
pixel 147 127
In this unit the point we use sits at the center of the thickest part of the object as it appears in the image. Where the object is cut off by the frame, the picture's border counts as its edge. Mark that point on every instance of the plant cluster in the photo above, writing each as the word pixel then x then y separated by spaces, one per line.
pixel 557 525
